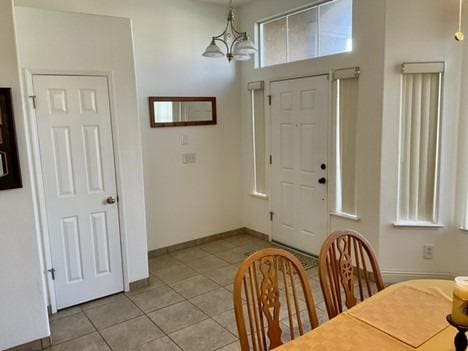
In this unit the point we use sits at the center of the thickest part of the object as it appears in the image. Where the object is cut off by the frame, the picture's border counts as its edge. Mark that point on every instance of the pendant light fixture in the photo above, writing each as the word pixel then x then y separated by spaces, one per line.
pixel 459 36
pixel 238 45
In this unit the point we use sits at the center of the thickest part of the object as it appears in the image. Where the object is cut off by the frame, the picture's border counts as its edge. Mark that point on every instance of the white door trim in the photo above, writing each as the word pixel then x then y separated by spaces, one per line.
pixel 37 181
pixel 268 125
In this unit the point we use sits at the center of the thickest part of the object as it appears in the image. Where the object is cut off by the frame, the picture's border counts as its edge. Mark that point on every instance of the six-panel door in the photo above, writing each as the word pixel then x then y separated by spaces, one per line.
pixel 299 115
pixel 75 137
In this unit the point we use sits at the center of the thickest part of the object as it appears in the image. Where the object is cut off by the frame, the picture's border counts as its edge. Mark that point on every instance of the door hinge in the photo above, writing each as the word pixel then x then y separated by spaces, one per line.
pixel 52 273
pixel 33 98
pixel 271 159
pixel 269 99
pixel 271 216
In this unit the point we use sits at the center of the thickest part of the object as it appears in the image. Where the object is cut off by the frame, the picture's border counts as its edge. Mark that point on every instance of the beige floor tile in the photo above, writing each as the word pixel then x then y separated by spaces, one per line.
pixel 243 239
pixel 175 273
pixel 65 313
pixel 30 346
pixel 214 302
pixel 113 313
pixel 256 245
pixel 91 342
pixel 223 276
pixel 235 346
pixel 194 286
pixel 156 298
pixel 216 246
pixel 178 316
pixel 228 321
pixel 203 336
pixel 161 262
pixel 233 256
pixel 207 263
pixel 104 301
pixel 189 254
pixel 162 344
pixel 71 327
pixel 131 334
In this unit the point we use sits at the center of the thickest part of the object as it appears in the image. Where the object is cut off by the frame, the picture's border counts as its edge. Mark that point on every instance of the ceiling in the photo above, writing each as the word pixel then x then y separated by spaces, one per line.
pixel 226 2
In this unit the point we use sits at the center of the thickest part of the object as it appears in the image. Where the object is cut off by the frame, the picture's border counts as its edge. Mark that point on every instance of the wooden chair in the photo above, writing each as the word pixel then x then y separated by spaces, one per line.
pixel 345 259
pixel 262 280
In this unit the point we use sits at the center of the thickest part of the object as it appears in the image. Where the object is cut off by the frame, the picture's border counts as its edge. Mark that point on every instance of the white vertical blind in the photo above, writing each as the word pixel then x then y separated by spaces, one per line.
pixel 419 145
pixel 347 94
pixel 257 92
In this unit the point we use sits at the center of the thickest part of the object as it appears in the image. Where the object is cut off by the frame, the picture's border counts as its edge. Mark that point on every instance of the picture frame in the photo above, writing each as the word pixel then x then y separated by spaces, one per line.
pixel 182 111
pixel 10 171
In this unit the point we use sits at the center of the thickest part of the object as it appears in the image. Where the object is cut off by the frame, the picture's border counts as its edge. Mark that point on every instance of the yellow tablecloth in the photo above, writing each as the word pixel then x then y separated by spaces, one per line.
pixel 355 329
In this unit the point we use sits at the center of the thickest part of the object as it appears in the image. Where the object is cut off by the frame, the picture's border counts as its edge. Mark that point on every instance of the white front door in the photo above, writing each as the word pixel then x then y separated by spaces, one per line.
pixel 299 117
pixel 77 157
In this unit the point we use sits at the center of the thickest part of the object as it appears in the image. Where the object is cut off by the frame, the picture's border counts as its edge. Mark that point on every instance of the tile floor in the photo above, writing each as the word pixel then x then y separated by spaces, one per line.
pixel 188 305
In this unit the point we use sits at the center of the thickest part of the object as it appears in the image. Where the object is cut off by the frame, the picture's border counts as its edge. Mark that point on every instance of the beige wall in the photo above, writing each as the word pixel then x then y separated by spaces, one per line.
pixel 183 202
pixel 23 311
pixel 87 43
pixel 418 31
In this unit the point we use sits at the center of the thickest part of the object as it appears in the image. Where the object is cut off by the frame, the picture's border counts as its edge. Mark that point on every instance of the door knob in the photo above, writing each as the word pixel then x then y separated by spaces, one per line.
pixel 322 180
pixel 110 200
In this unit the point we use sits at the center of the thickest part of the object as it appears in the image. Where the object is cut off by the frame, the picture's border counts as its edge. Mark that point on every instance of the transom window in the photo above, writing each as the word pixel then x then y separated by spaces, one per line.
pixel 318 30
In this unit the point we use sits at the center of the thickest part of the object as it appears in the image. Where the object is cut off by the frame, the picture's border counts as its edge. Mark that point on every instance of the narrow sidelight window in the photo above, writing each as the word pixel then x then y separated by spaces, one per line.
pixel 257 97
pixel 419 142
pixel 346 107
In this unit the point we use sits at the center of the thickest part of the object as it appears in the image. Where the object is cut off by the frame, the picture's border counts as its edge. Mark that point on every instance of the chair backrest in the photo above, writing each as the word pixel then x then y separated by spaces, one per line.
pixel 348 271
pixel 272 283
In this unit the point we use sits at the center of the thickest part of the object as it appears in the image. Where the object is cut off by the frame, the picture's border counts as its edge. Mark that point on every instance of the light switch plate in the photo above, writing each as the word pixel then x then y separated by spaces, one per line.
pixel 189 158
pixel 185 140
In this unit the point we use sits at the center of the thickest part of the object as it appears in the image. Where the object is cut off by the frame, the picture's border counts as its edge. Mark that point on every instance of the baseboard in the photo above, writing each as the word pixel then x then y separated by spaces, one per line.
pixel 196 242
pixel 206 239
pixel 257 234
pixel 391 277
pixel 139 284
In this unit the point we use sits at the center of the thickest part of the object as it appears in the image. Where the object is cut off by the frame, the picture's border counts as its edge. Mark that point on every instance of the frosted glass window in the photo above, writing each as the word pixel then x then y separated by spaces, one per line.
pixel 346 137
pixel 336 27
pixel 274 42
pixel 258 136
pixel 315 31
pixel 419 146
pixel 303 35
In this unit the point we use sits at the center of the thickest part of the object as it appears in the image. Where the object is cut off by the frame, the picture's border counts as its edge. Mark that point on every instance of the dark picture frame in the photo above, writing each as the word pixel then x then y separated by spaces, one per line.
pixel 10 171
pixel 153 117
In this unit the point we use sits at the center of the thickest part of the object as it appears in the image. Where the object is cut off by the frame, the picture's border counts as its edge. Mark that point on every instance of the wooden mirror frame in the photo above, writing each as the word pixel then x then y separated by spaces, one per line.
pixel 154 124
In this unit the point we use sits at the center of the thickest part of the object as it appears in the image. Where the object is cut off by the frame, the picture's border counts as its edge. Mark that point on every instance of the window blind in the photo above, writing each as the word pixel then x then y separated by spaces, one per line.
pixel 257 92
pixel 419 142
pixel 347 94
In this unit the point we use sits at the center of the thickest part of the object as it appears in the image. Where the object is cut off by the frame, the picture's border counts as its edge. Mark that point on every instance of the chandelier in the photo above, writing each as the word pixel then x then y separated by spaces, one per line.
pixel 238 45
pixel 459 36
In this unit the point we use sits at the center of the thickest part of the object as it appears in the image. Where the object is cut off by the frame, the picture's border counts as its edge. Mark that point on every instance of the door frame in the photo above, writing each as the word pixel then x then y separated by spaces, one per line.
pixel 330 156
pixel 37 182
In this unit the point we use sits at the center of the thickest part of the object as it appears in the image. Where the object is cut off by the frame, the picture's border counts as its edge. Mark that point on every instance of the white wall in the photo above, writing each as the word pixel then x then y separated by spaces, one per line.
pixel 23 311
pixel 418 31
pixel 183 202
pixel 368 53
pixel 77 42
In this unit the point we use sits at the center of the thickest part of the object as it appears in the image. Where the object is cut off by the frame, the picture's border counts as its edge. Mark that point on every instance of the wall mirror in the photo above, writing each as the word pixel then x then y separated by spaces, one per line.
pixel 181 111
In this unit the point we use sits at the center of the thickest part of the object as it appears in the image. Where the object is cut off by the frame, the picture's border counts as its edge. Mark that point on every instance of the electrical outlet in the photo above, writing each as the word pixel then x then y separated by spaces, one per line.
pixel 428 253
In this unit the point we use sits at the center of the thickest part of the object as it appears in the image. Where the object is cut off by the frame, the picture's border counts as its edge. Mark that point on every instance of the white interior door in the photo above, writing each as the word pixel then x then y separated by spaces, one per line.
pixel 299 117
pixel 75 138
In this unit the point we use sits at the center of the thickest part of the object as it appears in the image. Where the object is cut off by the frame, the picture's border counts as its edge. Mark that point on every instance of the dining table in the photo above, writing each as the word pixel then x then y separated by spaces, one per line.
pixel 406 316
